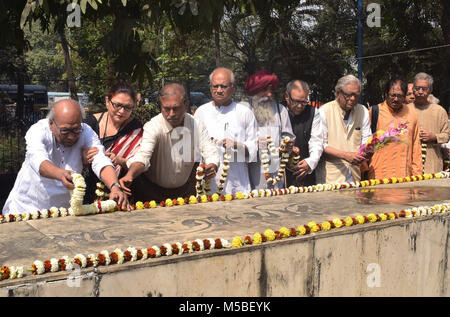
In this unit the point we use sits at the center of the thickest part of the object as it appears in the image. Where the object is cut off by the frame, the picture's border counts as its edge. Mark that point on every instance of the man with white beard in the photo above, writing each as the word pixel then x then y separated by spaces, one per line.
pixel 273 121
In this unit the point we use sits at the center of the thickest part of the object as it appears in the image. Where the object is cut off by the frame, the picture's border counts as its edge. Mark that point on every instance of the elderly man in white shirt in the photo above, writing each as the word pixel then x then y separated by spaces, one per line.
pixel 345 127
pixel 172 145
pixel 233 126
pixel 54 152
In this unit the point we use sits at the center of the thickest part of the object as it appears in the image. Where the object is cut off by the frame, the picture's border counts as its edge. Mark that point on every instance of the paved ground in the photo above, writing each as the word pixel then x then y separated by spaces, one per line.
pixel 22 243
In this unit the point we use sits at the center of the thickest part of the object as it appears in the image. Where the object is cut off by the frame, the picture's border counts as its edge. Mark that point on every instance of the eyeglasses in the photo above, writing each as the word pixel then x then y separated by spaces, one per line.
pixel 418 88
pixel 348 96
pixel 67 131
pixel 393 96
pixel 215 87
pixel 299 102
pixel 119 106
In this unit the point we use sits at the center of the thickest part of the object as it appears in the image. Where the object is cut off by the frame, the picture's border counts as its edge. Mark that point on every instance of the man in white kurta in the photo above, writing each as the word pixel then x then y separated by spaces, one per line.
pixel 32 190
pixel 233 125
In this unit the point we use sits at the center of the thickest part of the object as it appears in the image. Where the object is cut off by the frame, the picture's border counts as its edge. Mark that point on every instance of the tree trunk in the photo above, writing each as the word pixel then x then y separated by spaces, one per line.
pixel 68 62
pixel 217 46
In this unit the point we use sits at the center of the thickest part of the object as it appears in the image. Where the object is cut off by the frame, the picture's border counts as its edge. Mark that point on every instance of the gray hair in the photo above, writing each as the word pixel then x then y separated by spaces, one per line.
pixel 426 77
pixel 292 84
pixel 51 112
pixel 344 81
pixel 173 89
pixel 232 80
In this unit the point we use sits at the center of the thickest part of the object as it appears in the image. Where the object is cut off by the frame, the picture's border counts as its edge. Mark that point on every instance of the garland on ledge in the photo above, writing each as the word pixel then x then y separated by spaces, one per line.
pixel 274 153
pixel 132 254
pixel 423 150
pixel 312 226
pixel 107 206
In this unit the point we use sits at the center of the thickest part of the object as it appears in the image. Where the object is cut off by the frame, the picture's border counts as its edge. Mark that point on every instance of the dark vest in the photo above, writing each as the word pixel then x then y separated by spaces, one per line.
pixel 301 126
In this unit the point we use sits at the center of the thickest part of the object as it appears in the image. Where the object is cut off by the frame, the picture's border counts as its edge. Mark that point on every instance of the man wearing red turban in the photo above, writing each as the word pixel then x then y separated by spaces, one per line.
pixel 260 81
pixel 273 121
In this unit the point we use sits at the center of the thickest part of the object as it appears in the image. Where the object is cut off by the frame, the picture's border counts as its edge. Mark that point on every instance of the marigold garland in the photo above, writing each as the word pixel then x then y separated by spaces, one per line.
pixel 312 226
pixel 111 206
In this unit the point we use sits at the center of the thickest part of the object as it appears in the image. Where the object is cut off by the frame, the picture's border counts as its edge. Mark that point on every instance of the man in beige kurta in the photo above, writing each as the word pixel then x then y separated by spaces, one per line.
pixel 346 126
pixel 433 124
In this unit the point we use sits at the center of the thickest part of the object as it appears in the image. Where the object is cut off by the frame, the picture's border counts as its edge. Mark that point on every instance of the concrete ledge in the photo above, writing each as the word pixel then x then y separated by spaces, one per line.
pixel 410 254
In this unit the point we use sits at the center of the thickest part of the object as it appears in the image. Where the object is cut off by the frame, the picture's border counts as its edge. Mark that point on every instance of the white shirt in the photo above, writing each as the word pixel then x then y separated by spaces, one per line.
pixel 366 132
pixel 32 191
pixel 315 144
pixel 237 123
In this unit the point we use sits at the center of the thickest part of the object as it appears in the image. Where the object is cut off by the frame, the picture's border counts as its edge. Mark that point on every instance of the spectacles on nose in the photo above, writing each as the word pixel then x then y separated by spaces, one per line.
pixel 419 88
pixel 299 102
pixel 215 87
pixel 119 106
pixel 393 96
pixel 348 96
pixel 67 131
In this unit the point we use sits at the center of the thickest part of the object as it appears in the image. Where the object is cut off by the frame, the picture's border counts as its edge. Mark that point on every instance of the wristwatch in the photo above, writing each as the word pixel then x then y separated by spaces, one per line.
pixel 116 184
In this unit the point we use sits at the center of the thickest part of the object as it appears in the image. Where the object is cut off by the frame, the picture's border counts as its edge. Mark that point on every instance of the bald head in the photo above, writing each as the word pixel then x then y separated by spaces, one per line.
pixel 222 86
pixel 66 107
pixel 65 119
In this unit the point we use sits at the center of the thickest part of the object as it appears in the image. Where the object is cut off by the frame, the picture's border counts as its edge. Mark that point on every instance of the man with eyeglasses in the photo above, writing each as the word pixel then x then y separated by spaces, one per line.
pixel 307 128
pixel 345 126
pixel 234 128
pixel 400 159
pixel 54 152
pixel 433 124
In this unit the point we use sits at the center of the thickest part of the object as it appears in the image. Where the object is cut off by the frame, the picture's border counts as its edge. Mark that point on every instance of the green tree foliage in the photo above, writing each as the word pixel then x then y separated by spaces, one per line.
pixel 44 59
pixel 308 39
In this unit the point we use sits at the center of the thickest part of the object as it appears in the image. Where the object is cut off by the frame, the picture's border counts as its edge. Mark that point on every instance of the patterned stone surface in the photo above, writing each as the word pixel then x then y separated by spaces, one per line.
pixel 22 243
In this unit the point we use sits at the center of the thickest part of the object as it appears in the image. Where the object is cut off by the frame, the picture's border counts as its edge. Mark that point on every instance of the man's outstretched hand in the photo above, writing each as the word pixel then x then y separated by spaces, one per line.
pixel 66 179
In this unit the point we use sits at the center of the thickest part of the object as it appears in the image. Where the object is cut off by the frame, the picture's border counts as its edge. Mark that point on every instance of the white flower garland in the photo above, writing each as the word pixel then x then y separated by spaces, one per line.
pixel 77 195
pixel 226 166
pixel 275 153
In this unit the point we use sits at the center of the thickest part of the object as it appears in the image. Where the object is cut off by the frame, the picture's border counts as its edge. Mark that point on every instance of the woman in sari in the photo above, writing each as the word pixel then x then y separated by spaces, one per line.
pixel 118 131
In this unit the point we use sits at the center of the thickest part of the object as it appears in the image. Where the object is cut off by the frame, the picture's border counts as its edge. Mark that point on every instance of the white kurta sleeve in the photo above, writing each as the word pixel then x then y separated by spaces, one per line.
pixel 208 150
pixel 366 131
pixel 251 136
pixel 286 127
pixel 315 143
pixel 38 146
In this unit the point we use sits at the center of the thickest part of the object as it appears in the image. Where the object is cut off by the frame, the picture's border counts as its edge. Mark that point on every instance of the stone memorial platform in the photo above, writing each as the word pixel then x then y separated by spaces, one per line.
pixel 403 257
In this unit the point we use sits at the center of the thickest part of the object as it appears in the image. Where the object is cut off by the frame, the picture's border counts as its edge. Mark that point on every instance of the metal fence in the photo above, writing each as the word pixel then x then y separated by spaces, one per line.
pixel 12 139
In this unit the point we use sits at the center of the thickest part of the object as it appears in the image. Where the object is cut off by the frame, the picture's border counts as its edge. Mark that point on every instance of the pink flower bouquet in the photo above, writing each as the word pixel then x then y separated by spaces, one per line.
pixel 382 138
